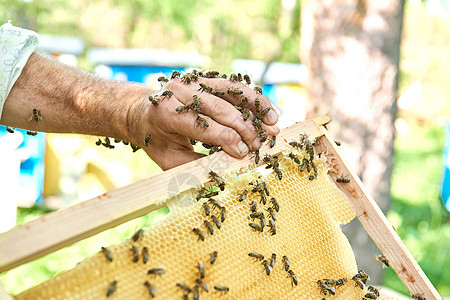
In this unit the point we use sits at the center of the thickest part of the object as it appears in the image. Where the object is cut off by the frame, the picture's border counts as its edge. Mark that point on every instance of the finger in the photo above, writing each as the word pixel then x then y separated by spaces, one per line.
pixel 203 129
pixel 225 114
pixel 225 84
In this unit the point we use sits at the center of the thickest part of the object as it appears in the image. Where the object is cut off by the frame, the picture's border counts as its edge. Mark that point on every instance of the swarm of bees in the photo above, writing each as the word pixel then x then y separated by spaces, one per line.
pixel 307 163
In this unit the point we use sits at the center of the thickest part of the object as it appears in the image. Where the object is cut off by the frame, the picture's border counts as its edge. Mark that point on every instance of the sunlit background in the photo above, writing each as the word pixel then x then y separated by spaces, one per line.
pixel 138 40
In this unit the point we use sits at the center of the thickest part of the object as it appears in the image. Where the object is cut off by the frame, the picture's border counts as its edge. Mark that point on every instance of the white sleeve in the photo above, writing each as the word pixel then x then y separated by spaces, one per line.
pixel 16 46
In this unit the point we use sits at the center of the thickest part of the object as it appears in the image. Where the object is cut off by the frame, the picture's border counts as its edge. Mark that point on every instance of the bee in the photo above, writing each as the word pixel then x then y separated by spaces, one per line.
pixel 305 163
pixel 262 221
pixel 418 297
pixel 343 179
pixel 243 195
pixel 337 143
pixel 202 284
pixel 201 269
pixel 135 252
pixel 362 275
pixel 275 204
pixel 213 257
pixel 266 189
pixel 330 282
pixel 341 281
pixel 245 113
pixel 107 253
pixel 202 122
pixel 153 100
pixel 286 263
pixel 205 88
pixel 323 287
pixel 262 136
pixel 163 79
pixel 272 141
pixel 167 93
pixel 125 143
pixel 156 271
pixel 247 79
pixel 112 288
pixel 147 139
pixel 194 77
pixel 358 283
pixel 253 205
pixel 257 215
pixel 212 74
pixel 314 167
pixel 151 289
pixel 294 158
pixel 193 142
pixel 209 226
pixel 99 142
pixel 263 198
pixel 218 93
pixel 36 115
pixel 215 203
pixel 196 292
pixel 255 255
pixel 256 227
pixel 312 176
pixel 215 149
pixel 211 194
pixel 257 105
pixel 279 173
pixel 206 208
pixel 216 221
pixel 373 290
pixel 9 129
pixel 273 229
pixel 272 214
pixel 186 78
pixel 234 92
pixel 370 296
pixel 134 147
pixel 184 287
pixel 234 77
pixel 201 193
pixel 383 260
pixel 273 259
pixel 31 132
pixel 258 186
pixel 258 89
pixel 138 235
pixel 217 179
pixel 294 144
pixel 262 113
pixel 223 214
pixel 267 266
pixel 239 76
pixel 242 102
pixel 199 233
pixel 175 74
pixel 145 255
pixel 222 288
pixel 294 277
pixel 256 156
pixel 331 290
pixel 182 108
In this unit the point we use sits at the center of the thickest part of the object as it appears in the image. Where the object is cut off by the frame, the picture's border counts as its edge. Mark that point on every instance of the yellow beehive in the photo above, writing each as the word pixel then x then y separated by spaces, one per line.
pixel 307 232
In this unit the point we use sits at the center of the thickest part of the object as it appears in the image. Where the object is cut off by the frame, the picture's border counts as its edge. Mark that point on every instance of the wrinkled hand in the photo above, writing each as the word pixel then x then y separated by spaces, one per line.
pixel 170 130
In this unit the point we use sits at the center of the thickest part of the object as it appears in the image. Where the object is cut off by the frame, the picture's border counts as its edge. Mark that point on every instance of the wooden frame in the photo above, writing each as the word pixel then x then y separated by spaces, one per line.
pixel 56 230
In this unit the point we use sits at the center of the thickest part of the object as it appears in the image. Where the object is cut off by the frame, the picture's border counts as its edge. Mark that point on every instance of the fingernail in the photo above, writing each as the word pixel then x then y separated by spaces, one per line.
pixel 256 144
pixel 243 149
pixel 272 117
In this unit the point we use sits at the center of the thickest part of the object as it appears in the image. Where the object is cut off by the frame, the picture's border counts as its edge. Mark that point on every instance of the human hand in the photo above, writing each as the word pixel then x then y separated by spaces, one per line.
pixel 170 130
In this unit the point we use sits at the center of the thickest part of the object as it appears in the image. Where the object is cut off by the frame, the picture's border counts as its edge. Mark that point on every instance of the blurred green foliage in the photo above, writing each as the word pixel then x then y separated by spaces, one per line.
pixel 416 211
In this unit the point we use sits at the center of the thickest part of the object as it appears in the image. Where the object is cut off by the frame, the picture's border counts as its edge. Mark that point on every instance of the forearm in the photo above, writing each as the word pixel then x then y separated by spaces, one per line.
pixel 71 101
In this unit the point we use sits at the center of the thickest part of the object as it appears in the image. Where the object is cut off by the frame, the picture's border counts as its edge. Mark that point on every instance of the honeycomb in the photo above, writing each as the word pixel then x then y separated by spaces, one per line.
pixel 307 232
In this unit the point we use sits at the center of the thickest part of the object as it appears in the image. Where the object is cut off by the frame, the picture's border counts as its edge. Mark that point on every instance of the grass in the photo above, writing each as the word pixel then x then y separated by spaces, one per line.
pixel 416 212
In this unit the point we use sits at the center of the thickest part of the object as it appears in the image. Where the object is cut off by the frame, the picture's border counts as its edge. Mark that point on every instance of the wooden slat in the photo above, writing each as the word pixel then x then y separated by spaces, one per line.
pixel 56 230
pixel 3 294
pixel 376 224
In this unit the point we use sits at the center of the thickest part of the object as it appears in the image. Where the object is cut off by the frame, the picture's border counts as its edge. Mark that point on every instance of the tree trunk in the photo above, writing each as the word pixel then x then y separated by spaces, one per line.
pixel 352 50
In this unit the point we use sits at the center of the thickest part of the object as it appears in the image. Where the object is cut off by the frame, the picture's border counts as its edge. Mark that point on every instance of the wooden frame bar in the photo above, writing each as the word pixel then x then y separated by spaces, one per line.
pixel 376 224
pixel 56 230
